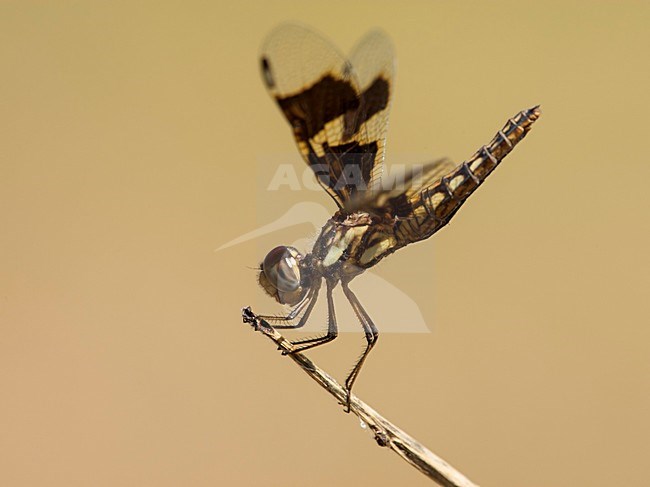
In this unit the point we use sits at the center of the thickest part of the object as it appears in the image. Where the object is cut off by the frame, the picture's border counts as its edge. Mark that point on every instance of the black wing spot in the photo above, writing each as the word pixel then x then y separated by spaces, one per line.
pixel 267 74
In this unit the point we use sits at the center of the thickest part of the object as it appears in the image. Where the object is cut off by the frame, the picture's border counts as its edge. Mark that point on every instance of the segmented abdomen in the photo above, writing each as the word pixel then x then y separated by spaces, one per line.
pixel 433 207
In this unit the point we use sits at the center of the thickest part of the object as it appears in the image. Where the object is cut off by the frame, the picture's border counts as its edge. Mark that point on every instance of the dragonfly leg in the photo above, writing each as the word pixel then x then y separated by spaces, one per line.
pixel 372 334
pixel 306 304
pixel 332 328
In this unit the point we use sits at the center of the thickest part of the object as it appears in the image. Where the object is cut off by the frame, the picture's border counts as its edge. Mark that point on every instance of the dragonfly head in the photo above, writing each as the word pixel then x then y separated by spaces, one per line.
pixel 280 275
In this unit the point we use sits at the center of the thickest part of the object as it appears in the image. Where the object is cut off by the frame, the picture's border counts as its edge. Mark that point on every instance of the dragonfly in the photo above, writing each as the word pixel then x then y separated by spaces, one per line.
pixel 337 108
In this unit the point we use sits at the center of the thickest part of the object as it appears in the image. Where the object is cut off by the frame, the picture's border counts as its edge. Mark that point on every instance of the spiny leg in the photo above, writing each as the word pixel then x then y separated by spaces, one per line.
pixel 372 334
pixel 295 311
pixel 332 329
pixel 307 304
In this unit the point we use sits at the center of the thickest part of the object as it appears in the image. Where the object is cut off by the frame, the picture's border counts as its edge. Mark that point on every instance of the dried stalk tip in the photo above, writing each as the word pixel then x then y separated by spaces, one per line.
pixel 386 434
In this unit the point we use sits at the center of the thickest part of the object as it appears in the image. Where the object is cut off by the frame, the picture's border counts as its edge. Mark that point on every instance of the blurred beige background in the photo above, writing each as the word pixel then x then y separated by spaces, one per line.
pixel 129 141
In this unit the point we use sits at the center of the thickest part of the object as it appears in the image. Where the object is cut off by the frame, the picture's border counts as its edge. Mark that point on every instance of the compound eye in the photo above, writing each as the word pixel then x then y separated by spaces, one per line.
pixel 281 268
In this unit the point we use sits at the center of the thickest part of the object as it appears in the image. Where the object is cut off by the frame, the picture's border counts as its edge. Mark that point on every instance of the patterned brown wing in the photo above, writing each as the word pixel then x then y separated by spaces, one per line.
pixel 338 123
pixel 374 64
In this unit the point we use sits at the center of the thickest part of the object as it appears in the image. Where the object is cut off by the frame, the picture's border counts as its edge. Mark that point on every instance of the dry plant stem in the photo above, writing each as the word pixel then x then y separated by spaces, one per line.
pixel 385 433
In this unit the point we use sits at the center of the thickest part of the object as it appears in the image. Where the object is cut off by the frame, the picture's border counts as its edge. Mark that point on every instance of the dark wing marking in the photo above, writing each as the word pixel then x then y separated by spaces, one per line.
pixel 374 62
pixel 338 123
pixel 395 194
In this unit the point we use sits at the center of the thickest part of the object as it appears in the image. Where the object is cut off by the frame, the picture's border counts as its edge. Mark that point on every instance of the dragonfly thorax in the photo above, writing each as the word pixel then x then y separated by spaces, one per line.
pixel 340 248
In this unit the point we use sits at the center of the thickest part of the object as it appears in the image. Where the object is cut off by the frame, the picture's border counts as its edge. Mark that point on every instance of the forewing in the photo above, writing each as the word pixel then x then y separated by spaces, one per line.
pixel 318 91
pixel 374 63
